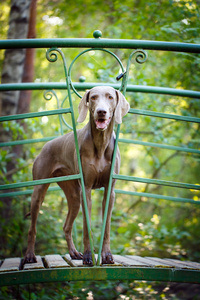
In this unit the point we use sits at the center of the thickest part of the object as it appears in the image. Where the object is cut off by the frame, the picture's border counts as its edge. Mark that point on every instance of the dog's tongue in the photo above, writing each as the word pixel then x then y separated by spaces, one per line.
pixel 102 124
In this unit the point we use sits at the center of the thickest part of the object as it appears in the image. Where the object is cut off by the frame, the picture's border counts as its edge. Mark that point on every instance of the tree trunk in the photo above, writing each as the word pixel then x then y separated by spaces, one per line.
pixel 14 58
pixel 12 72
pixel 28 74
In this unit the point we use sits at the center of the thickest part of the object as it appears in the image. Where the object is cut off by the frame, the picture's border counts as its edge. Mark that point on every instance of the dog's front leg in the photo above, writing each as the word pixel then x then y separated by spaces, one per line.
pixel 107 257
pixel 87 256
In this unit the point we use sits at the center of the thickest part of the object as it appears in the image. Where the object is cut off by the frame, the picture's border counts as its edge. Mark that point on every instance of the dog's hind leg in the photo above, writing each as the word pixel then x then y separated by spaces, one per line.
pixel 36 201
pixel 72 193
pixel 41 169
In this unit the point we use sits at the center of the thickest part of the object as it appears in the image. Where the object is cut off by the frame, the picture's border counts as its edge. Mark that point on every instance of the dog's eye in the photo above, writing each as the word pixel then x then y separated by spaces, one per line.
pixel 110 97
pixel 93 98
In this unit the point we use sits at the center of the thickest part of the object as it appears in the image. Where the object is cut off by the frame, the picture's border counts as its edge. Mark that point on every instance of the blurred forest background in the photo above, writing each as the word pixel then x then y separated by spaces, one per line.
pixel 140 225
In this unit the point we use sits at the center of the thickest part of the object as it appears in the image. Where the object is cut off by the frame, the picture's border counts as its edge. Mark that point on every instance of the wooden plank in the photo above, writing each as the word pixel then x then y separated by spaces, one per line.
pixel 127 261
pixel 142 260
pixel 79 263
pixel 149 262
pixel 11 264
pixel 116 263
pixel 185 264
pixel 37 265
pixel 73 262
pixel 55 261
pixel 163 262
pixel 76 262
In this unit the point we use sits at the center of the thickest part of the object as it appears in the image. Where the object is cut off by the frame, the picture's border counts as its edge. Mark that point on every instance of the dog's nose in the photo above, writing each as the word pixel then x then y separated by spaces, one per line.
pixel 101 112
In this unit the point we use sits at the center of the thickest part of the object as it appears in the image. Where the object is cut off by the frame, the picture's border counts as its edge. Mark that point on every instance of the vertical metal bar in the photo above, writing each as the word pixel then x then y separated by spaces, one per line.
pixel 123 88
pixel 108 196
pixel 81 173
pixel 80 170
pixel 75 235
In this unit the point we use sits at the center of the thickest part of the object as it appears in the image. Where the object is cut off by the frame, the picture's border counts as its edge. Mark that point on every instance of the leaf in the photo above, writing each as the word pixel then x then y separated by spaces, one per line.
pixel 169 30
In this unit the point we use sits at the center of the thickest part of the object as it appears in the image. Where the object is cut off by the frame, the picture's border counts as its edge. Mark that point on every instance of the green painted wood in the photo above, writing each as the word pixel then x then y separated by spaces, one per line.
pixel 98 274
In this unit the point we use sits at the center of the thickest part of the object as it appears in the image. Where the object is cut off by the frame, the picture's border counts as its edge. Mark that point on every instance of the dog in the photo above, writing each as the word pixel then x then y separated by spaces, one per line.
pixel 58 157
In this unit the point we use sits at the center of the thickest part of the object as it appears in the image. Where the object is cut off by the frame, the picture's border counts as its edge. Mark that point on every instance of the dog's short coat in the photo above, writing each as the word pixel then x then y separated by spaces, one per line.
pixel 58 158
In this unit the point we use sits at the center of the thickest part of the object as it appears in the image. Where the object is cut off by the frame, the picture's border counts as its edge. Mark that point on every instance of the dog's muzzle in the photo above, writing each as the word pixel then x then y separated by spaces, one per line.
pixel 102 124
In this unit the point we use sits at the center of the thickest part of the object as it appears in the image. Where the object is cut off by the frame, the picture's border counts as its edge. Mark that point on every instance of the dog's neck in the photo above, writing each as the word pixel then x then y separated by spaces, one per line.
pixel 101 139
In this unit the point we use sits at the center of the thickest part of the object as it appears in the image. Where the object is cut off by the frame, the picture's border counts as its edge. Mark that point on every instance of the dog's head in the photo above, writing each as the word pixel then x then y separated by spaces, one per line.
pixel 104 103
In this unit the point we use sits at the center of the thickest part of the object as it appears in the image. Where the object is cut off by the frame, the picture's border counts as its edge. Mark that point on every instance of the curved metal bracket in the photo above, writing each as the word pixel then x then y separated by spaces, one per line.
pixel 140 57
pixel 48 94
pixel 85 51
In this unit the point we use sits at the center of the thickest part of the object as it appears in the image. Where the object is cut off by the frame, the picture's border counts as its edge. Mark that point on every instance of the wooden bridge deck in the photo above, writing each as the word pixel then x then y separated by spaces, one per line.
pixel 54 268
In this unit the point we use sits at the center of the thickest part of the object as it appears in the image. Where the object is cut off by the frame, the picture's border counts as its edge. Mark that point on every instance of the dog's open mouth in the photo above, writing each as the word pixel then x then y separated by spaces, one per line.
pixel 102 124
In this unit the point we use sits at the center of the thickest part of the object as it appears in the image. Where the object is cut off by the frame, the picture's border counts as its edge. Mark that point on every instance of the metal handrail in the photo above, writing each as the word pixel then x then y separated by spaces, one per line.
pixel 100 43
pixel 88 85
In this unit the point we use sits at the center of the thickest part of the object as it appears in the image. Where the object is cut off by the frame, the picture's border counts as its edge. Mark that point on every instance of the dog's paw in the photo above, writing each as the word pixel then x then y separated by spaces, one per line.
pixel 107 258
pixel 87 258
pixel 30 258
pixel 76 255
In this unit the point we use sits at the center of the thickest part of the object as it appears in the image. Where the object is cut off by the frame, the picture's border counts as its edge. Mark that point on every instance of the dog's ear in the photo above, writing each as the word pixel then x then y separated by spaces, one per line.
pixel 83 107
pixel 122 107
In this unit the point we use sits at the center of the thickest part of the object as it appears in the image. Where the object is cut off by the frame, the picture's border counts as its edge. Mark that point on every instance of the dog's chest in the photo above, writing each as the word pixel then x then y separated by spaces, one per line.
pixel 97 172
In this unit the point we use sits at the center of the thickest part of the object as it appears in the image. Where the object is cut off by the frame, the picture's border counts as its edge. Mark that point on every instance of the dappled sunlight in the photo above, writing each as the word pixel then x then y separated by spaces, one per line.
pixel 53 21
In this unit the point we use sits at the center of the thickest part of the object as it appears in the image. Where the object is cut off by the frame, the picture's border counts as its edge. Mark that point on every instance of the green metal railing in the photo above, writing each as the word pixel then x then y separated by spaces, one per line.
pixel 99 44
